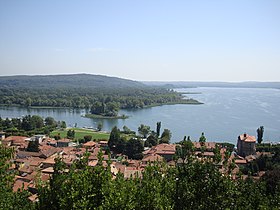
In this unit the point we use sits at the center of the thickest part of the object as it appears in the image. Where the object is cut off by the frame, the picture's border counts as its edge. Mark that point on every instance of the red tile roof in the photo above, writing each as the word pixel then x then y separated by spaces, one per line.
pixel 153 158
pixel 208 145
pixel 90 144
pixel 240 161
pixel 247 138
pixel 19 184
pixel 65 140
pixel 163 149
pixel 16 139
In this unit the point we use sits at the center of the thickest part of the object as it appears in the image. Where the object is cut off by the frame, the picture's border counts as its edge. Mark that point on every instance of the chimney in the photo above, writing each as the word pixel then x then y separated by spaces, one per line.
pixel 245 135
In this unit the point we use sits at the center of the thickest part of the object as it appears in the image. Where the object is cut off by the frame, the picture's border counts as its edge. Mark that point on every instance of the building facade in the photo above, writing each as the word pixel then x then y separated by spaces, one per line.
pixel 246 145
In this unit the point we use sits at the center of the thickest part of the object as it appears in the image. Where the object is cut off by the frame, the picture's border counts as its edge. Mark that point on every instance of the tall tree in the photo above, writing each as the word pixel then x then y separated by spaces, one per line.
pixel 134 148
pixel 71 134
pixel 49 121
pixel 260 132
pixel 158 128
pixel 152 140
pixel 202 138
pixel 144 130
pixel 33 146
pixel 37 121
pixel 116 143
pixel 165 136
pixel 185 150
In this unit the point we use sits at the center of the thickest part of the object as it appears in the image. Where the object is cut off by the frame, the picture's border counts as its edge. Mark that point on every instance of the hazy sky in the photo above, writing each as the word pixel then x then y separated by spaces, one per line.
pixel 226 40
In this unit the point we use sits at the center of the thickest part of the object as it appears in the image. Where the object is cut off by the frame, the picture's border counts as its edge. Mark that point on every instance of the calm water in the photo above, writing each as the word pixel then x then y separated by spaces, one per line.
pixel 226 113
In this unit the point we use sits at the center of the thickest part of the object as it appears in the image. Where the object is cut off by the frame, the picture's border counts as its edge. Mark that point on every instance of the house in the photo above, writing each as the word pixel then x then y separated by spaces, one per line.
pixel 64 143
pixel 167 151
pixel 152 158
pixel 89 145
pixel 52 142
pixel 16 141
pixel 209 146
pixel 103 144
pixel 246 145
pixel 38 138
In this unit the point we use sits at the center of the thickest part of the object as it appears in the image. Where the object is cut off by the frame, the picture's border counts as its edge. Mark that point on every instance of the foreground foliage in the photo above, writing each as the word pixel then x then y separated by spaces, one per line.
pixel 8 198
pixel 192 185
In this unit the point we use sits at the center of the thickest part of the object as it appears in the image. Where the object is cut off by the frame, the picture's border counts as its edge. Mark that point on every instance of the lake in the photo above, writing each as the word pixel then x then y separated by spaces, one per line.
pixel 226 113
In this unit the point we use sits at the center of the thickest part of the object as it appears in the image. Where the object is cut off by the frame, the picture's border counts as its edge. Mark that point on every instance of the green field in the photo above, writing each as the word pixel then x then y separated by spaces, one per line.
pixel 80 133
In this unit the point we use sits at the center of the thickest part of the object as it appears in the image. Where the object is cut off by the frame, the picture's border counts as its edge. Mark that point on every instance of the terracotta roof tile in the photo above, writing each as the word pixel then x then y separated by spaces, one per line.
pixel 153 158
pixel 247 138
pixel 19 184
pixel 90 144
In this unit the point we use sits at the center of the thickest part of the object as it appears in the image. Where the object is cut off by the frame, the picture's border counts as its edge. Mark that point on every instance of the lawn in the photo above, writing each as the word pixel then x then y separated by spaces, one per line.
pixel 80 133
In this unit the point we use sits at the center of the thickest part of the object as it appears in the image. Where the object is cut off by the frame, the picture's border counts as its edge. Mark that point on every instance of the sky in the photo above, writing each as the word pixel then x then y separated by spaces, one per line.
pixel 144 40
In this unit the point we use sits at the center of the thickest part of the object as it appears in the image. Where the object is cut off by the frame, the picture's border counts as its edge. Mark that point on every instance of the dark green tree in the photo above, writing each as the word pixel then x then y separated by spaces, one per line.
pixel 50 121
pixel 8 199
pixel 63 124
pixel 33 146
pixel 71 134
pixel 26 123
pixel 98 108
pixel 28 102
pixel 185 150
pixel 151 140
pixel 87 138
pixel 165 136
pixel 202 138
pixel 260 132
pixel 134 148
pixel 144 130
pixel 217 154
pixel 158 128
pixel 126 130
pixel 112 109
pixel 99 126
pixel 36 122
pixel 116 143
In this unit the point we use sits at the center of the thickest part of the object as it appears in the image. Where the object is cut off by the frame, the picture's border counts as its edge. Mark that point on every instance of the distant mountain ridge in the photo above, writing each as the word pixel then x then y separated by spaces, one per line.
pixel 68 81
pixel 248 84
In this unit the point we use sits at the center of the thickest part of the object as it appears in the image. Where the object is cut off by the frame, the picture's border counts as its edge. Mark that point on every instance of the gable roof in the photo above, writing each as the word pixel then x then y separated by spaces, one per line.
pixel 208 145
pixel 152 158
pixel 163 149
pixel 247 138
pixel 90 144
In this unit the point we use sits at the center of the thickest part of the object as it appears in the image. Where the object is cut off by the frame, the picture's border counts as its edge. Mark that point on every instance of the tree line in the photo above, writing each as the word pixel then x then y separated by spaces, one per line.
pixel 30 125
pixel 87 98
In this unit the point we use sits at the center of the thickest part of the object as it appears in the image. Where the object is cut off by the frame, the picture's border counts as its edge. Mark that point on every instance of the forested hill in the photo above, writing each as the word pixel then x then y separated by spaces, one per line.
pixel 248 84
pixel 88 81
pixel 104 95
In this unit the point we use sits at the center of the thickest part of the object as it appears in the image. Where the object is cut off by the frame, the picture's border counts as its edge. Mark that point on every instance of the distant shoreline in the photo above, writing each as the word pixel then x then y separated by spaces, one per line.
pixel 95 116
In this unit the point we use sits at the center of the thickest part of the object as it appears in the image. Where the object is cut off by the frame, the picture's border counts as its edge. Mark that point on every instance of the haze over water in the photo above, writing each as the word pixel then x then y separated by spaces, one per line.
pixel 226 113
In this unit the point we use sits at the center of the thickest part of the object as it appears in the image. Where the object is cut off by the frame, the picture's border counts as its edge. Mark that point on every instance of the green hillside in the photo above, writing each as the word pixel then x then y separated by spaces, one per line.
pixel 67 81
pixel 107 94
